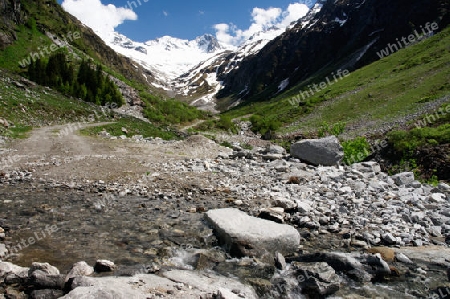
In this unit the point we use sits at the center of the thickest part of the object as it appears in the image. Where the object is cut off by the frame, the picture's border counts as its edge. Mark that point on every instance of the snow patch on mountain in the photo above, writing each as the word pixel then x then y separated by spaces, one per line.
pixel 283 85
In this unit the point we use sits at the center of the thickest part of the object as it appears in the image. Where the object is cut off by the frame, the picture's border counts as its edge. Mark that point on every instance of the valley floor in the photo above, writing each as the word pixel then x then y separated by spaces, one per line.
pixel 141 201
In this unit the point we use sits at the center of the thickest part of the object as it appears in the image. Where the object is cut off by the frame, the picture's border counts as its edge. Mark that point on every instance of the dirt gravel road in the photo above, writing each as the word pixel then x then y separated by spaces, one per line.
pixel 61 154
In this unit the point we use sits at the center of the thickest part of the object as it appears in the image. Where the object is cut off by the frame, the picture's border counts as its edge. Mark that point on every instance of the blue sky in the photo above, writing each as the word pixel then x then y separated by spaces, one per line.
pixel 150 19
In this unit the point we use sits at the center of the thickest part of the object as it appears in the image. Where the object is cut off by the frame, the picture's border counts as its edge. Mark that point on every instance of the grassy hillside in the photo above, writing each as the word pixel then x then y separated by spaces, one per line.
pixel 27 106
pixel 28 29
pixel 398 85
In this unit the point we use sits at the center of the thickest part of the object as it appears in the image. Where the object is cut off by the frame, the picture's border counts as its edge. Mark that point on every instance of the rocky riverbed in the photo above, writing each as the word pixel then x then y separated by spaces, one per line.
pixel 362 233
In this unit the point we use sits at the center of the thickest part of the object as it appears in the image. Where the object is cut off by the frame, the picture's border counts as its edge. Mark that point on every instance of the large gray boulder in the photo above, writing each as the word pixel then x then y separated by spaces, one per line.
pixel 243 235
pixel 326 151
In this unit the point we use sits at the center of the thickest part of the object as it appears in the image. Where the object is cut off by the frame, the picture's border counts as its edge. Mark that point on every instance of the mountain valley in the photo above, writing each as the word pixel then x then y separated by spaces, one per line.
pixel 307 161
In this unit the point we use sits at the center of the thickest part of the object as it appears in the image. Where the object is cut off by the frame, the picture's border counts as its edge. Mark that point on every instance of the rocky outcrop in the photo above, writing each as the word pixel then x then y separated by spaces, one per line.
pixel 326 151
pixel 10 15
pixel 243 235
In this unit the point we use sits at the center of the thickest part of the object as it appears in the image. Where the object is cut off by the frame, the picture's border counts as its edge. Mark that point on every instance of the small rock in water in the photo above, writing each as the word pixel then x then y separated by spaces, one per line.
pixel 44 267
pixel 280 261
pixel 104 266
pixel 317 279
pixel 79 269
pixel 402 258
pixel 389 239
pixel 378 265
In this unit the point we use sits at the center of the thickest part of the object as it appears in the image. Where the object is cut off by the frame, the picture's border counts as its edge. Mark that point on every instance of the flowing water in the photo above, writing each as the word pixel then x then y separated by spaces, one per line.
pixel 65 226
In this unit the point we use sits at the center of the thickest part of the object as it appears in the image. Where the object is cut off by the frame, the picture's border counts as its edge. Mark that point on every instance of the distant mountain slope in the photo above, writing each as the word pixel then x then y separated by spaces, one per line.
pixel 344 34
pixel 395 91
pixel 200 84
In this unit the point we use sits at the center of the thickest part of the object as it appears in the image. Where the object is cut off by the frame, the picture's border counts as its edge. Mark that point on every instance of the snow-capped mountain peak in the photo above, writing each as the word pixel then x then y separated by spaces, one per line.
pixel 208 43
pixel 167 57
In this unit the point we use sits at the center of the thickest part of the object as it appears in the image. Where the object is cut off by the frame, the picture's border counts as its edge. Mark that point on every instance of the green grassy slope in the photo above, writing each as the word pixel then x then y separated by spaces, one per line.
pixel 27 107
pixel 386 90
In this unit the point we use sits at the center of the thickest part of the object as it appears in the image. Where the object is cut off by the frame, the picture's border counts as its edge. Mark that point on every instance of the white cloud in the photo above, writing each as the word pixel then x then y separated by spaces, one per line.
pixel 262 19
pixel 294 12
pixel 165 13
pixel 103 19
pixel 228 34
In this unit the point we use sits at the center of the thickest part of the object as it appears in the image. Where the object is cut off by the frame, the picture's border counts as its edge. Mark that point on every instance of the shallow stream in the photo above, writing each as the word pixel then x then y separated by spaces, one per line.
pixel 63 226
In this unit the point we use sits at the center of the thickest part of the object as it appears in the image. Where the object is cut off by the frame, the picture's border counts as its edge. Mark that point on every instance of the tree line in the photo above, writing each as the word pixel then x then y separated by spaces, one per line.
pixel 88 83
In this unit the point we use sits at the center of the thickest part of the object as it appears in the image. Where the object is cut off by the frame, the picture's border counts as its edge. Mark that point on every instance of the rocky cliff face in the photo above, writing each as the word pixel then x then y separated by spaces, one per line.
pixel 10 14
pixel 344 34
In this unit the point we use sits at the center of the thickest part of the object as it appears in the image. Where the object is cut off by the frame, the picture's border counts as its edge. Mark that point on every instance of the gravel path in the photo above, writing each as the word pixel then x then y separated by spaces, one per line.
pixel 60 153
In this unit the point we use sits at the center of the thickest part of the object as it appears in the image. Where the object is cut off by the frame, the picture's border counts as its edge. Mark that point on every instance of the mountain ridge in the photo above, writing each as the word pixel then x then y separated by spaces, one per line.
pixel 339 36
